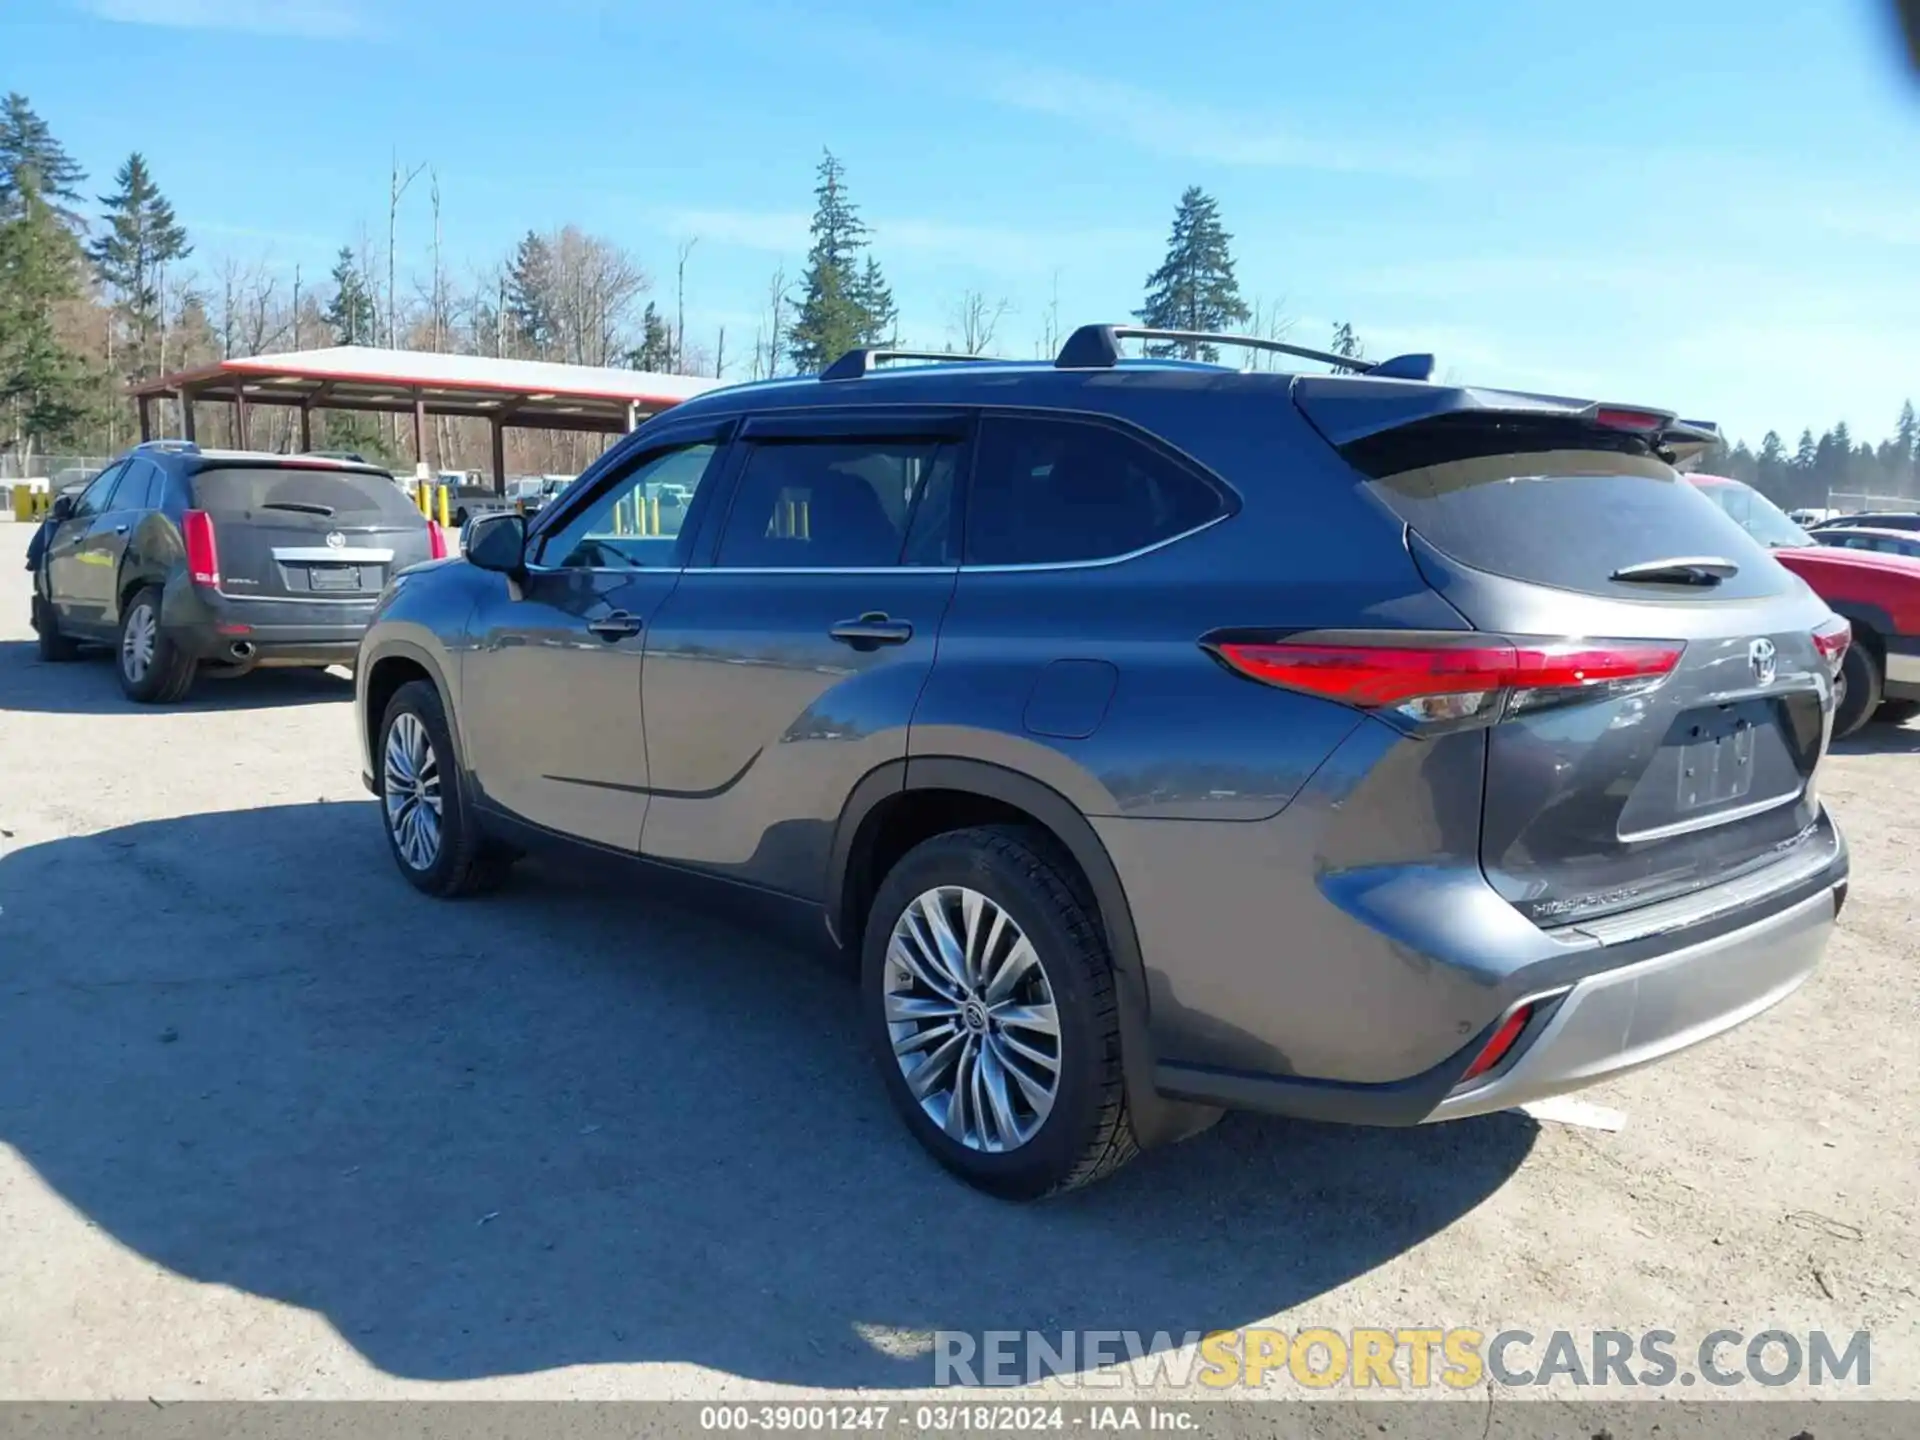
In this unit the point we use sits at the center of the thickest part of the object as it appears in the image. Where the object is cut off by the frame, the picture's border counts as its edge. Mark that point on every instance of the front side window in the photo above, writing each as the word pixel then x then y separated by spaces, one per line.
pixel 1051 492
pixel 635 523
pixel 838 504
pixel 97 496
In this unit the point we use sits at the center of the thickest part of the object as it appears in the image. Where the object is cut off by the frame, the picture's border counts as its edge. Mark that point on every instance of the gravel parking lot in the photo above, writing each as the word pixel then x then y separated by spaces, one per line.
pixel 272 1124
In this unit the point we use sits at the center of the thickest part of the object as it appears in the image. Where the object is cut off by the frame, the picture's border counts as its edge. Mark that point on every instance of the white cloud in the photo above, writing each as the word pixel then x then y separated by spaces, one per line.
pixel 1177 128
pixel 315 19
pixel 999 248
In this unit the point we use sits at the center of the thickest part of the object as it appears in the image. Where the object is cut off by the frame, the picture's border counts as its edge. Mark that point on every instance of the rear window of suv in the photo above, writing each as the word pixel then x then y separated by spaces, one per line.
pixel 352 496
pixel 1562 515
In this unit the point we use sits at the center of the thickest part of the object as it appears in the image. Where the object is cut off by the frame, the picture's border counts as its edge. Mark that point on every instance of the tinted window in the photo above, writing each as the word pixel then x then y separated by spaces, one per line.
pixel 839 504
pixel 97 496
pixel 1054 491
pixel 138 487
pixel 635 522
pixel 1570 517
pixel 350 496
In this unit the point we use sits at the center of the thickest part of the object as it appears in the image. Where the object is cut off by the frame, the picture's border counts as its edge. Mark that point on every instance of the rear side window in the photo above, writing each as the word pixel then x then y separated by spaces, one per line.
pixel 347 496
pixel 843 504
pixel 1051 492
pixel 1563 514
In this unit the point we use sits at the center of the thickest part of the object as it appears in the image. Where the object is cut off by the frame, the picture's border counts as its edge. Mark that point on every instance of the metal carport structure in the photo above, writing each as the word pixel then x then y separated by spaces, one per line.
pixel 530 394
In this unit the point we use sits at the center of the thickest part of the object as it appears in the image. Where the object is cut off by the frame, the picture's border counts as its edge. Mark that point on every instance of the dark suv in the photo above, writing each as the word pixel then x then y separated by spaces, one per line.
pixel 1161 738
pixel 181 558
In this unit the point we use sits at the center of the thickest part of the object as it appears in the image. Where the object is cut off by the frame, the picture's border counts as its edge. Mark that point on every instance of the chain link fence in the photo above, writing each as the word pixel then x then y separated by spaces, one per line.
pixel 1852 502
pixel 45 467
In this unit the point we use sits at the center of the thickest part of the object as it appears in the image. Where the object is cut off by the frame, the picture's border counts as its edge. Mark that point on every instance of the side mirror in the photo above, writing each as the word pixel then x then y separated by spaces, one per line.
pixel 62 509
pixel 497 543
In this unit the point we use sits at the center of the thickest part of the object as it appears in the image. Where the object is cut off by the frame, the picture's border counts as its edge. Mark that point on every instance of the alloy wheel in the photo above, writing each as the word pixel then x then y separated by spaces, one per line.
pixel 972 1018
pixel 138 642
pixel 411 789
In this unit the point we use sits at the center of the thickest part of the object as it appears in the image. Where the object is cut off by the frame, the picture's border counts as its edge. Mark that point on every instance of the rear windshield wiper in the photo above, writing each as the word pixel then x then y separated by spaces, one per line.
pixel 1680 570
pixel 304 507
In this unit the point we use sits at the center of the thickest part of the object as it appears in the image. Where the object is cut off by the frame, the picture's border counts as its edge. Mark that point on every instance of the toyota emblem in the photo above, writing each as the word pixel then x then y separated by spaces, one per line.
pixel 337 541
pixel 1761 656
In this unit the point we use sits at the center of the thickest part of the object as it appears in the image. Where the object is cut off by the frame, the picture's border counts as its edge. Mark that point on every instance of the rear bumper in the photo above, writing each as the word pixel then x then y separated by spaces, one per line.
pixel 265 632
pixel 1622 1019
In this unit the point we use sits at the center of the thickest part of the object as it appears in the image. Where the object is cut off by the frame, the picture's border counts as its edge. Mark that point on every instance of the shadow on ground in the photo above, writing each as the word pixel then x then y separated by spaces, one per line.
pixel 576 1124
pixel 1881 737
pixel 88 686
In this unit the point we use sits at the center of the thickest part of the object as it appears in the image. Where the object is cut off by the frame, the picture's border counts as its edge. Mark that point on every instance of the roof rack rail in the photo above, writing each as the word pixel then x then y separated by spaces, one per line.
pixel 1097 347
pixel 183 447
pixel 856 363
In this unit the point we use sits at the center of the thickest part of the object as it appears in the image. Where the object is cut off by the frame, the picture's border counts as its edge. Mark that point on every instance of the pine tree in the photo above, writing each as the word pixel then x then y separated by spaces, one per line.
pixel 1906 436
pixel 1806 454
pixel 46 389
pixel 530 294
pixel 1771 467
pixel 1194 288
pixel 1346 343
pixel 350 314
pixel 27 145
pixel 655 351
pixel 875 298
pixel 836 311
pixel 142 238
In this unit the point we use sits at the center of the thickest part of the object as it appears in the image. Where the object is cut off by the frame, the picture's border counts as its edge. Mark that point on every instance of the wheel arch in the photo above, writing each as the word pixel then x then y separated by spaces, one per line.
pixel 987 793
pixel 396 663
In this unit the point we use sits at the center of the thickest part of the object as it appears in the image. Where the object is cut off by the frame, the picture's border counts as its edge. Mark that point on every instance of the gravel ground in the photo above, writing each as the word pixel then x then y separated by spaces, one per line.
pixel 271 1124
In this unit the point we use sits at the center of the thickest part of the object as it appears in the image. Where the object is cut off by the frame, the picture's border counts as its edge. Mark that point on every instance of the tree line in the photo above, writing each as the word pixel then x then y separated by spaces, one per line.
pixel 97 292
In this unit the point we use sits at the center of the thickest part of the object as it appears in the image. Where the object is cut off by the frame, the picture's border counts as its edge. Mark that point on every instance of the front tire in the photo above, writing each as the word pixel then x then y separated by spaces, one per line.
pixel 1860 690
pixel 431 829
pixel 989 998
pixel 152 669
pixel 55 648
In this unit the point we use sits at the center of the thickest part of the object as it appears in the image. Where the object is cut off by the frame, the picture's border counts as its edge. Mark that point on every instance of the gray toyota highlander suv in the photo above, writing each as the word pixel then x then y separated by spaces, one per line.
pixel 1161 738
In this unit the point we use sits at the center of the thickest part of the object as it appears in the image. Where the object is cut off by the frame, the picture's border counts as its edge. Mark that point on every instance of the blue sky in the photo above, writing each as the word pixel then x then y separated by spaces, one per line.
pixel 1712 206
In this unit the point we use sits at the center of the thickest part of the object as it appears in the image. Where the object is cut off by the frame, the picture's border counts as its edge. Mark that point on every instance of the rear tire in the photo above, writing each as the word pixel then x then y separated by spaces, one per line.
pixel 55 648
pixel 431 827
pixel 1014 1139
pixel 1860 691
pixel 152 669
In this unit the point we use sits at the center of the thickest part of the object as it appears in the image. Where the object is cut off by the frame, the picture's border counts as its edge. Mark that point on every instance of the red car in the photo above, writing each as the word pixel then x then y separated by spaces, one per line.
pixel 1879 593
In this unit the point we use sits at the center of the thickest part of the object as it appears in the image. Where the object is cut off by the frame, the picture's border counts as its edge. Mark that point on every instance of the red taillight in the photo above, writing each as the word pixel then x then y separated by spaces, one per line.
pixel 1612 417
pixel 1428 678
pixel 203 556
pixel 436 540
pixel 1502 1042
pixel 1831 639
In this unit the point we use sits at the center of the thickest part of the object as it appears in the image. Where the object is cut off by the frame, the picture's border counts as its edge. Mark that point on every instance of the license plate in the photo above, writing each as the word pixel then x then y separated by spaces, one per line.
pixel 1716 762
pixel 333 577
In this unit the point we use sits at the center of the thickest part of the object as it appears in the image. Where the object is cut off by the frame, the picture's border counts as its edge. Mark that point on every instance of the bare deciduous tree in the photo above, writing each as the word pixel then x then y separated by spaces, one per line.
pixel 975 320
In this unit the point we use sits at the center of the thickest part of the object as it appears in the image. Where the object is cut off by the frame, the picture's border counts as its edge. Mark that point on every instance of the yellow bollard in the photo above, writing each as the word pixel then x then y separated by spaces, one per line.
pixel 654 505
pixel 445 490
pixel 806 527
pixel 423 499
pixel 22 503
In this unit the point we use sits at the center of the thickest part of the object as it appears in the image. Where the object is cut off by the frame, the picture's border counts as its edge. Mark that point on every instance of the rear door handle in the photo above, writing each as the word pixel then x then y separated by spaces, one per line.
pixel 872 630
pixel 617 626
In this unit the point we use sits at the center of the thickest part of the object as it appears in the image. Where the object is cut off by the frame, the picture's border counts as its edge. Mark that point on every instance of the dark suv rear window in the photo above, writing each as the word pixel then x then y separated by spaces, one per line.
pixel 350 496
pixel 1567 516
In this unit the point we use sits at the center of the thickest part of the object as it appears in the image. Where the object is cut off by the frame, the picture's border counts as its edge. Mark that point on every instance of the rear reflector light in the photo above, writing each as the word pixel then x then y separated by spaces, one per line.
pixel 203 556
pixel 436 540
pixel 1831 640
pixel 1498 1047
pixel 1440 678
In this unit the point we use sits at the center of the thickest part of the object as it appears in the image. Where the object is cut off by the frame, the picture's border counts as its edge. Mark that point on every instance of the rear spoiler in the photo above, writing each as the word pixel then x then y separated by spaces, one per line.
pixel 1346 411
